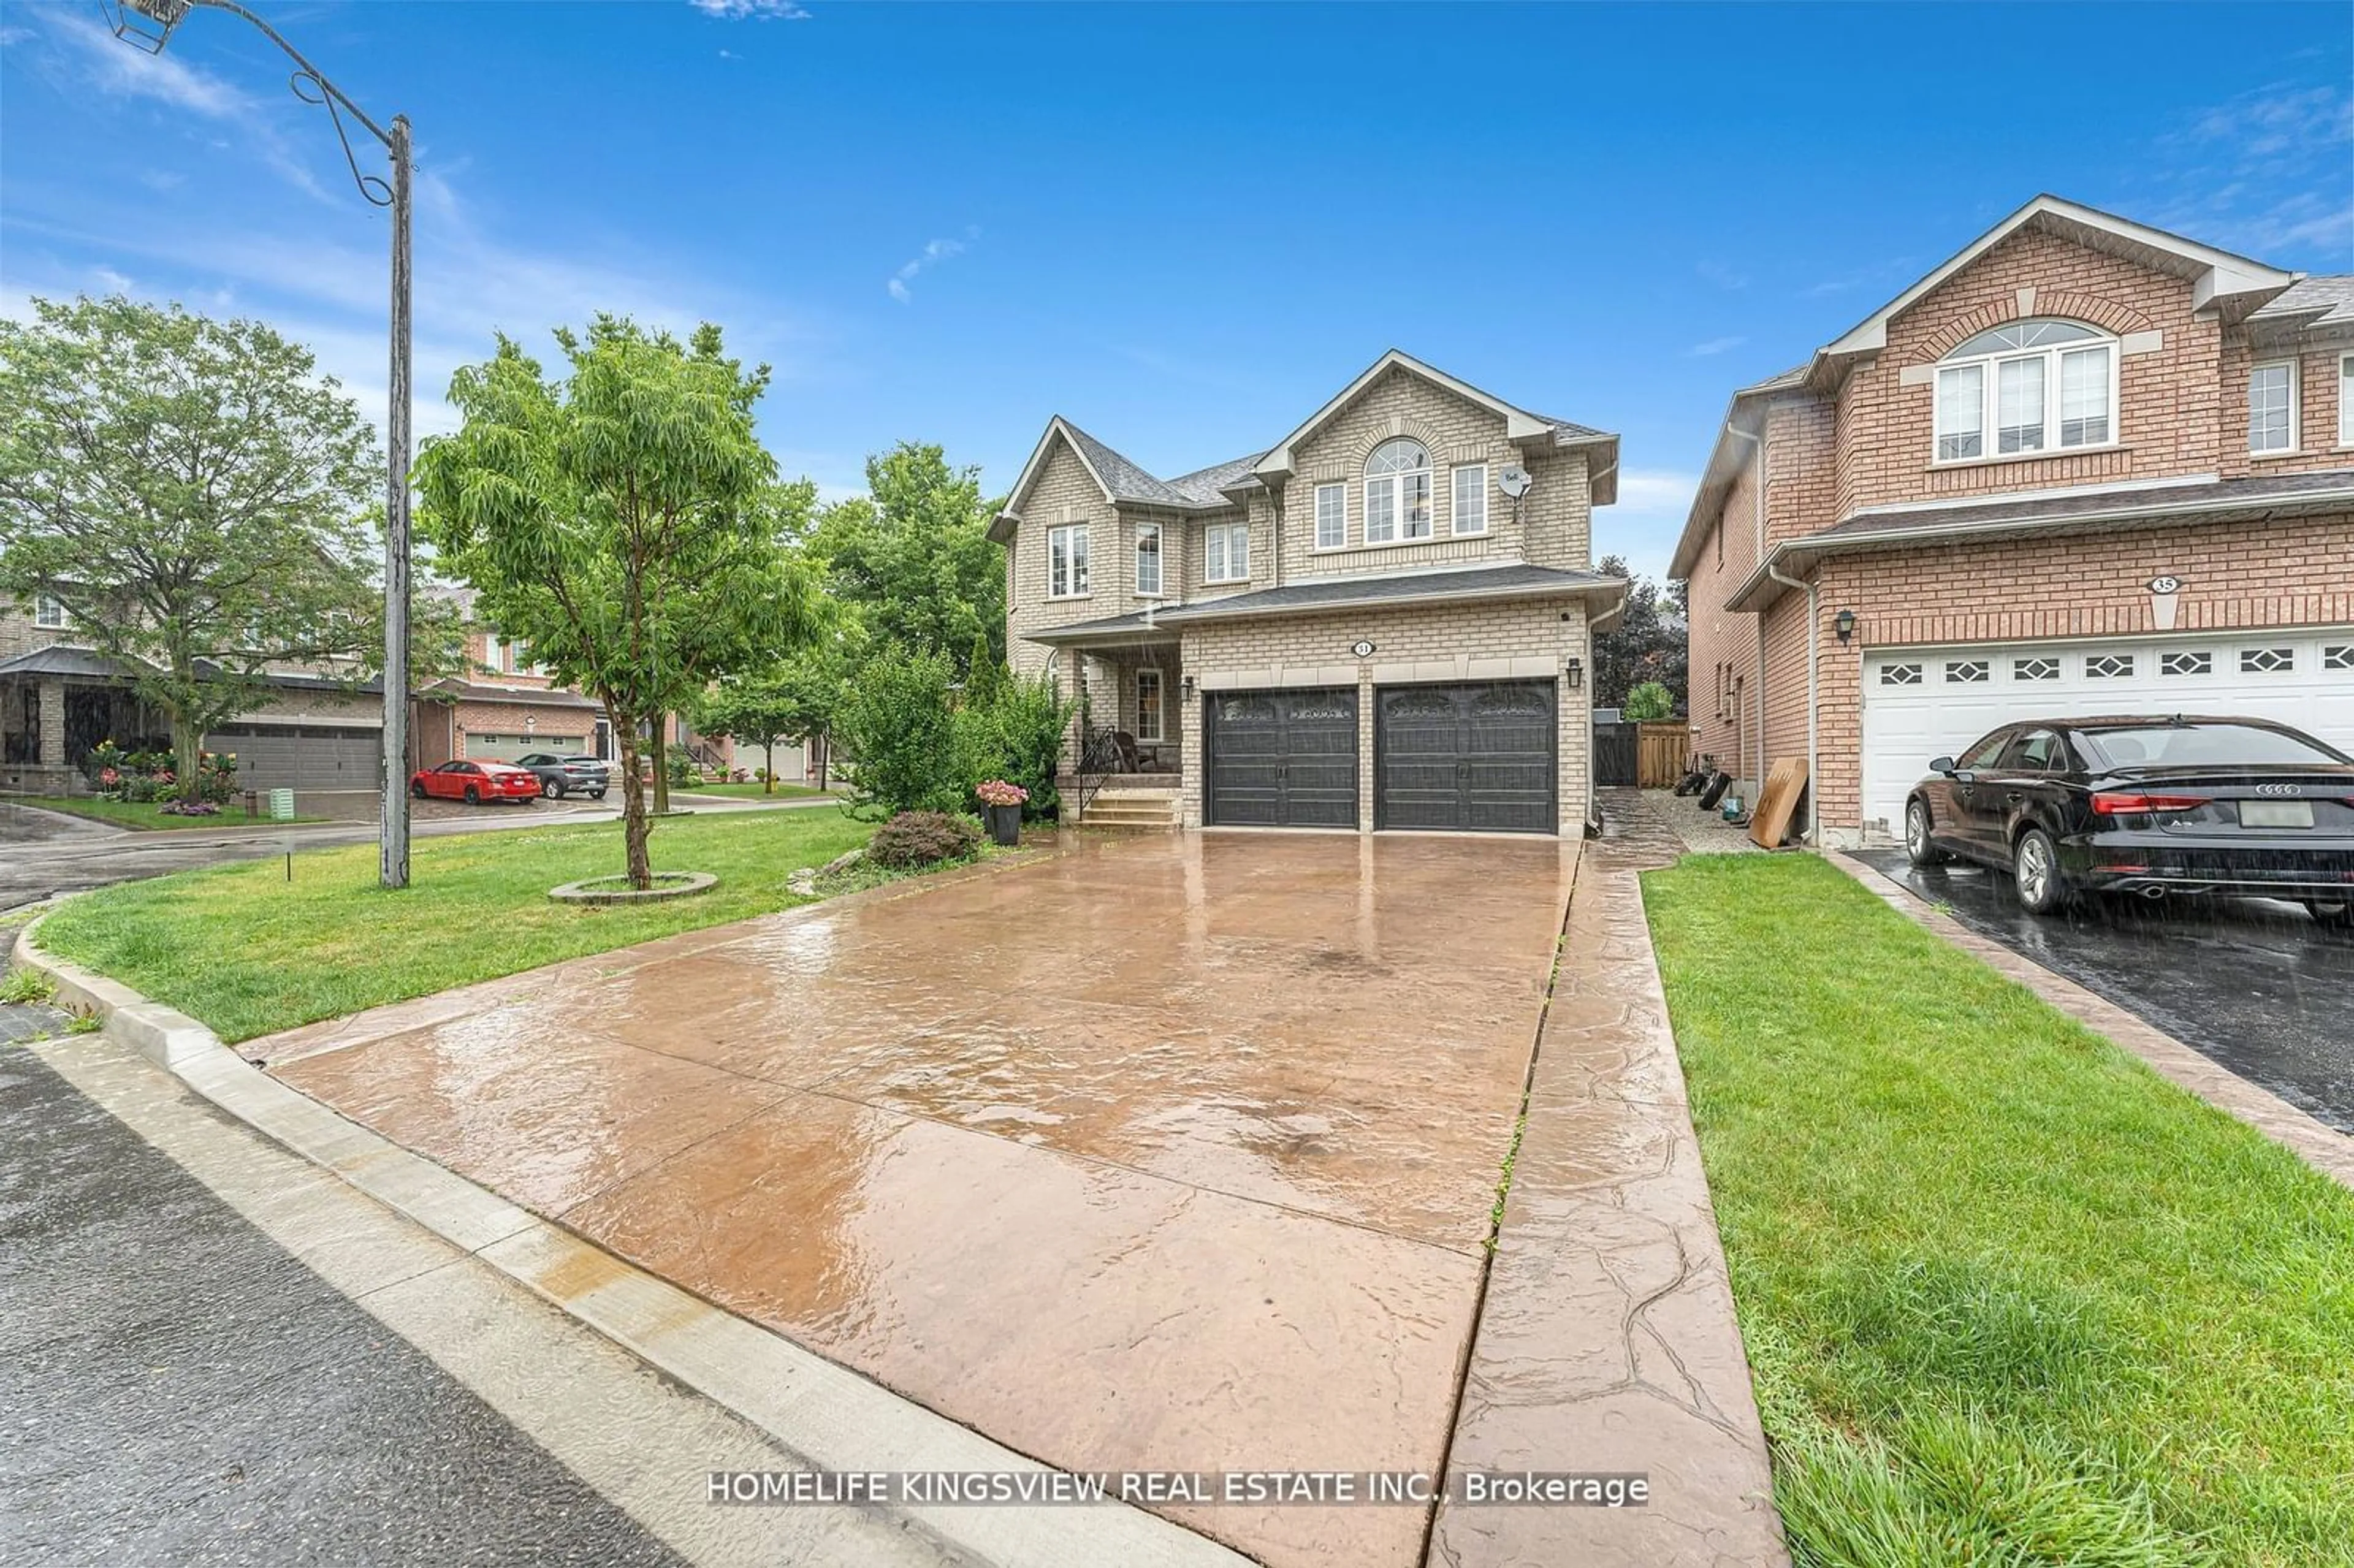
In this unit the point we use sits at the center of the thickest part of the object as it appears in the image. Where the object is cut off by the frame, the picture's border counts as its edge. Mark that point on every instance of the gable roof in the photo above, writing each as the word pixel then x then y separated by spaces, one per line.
pixel 1520 424
pixel 1122 479
pixel 2232 285
pixel 2324 301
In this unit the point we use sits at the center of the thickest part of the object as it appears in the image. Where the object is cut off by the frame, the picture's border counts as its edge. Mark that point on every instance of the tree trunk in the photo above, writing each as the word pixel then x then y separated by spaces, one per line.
pixel 817 742
pixel 187 758
pixel 661 765
pixel 635 827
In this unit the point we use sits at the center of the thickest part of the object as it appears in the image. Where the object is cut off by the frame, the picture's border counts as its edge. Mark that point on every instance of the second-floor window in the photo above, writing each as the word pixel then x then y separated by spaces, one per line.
pixel 2037 385
pixel 2272 407
pixel 1470 514
pixel 1148 558
pixel 1332 514
pixel 1397 492
pixel 1226 553
pixel 1066 561
pixel 49 611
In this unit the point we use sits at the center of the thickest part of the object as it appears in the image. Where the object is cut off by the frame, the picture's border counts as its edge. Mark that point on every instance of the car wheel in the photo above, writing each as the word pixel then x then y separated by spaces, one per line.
pixel 2339 912
pixel 2035 871
pixel 416 789
pixel 473 796
pixel 1919 847
pixel 596 794
pixel 552 788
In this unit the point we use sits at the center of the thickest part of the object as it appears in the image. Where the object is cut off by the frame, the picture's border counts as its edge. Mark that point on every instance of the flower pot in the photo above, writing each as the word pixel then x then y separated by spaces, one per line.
pixel 1006 824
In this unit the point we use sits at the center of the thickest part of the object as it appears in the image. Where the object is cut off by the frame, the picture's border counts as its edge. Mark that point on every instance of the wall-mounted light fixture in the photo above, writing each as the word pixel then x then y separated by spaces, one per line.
pixel 1844 624
pixel 1185 687
pixel 1573 672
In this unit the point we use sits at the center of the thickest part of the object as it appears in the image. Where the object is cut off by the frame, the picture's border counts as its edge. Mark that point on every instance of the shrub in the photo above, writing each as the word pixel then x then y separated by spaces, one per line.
pixel 913 839
pixel 1016 737
pixel 1648 700
pixel 895 720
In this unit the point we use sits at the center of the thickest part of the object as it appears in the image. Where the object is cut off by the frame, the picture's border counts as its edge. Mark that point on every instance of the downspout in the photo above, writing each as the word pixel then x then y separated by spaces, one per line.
pixel 1814 834
pixel 1757 445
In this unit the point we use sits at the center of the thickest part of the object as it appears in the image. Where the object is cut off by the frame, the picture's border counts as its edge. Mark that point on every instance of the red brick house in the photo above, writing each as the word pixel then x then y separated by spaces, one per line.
pixel 2085 466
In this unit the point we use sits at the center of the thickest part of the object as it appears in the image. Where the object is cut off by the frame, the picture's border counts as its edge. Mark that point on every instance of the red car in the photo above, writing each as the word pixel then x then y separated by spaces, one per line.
pixel 475 782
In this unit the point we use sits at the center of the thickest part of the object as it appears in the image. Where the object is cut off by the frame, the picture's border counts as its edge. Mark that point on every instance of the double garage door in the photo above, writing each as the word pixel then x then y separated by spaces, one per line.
pixel 300 757
pixel 1479 756
pixel 1923 703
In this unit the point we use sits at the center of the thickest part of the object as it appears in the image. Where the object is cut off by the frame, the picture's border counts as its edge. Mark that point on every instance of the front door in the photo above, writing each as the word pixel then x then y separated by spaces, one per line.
pixel 1281 760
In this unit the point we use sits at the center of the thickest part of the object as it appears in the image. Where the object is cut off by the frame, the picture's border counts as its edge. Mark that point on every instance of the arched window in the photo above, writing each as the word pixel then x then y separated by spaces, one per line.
pixel 2038 384
pixel 1397 492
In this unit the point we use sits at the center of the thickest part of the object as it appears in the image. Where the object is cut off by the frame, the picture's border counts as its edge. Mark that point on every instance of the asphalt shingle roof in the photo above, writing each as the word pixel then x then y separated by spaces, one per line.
pixel 2331 294
pixel 2060 508
pixel 1341 592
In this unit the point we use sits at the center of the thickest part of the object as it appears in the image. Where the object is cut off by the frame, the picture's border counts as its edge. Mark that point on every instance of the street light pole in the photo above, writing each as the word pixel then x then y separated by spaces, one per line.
pixel 148 25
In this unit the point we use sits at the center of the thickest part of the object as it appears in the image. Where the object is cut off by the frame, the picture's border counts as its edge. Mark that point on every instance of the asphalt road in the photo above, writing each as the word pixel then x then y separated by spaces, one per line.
pixel 2254 985
pixel 179 1389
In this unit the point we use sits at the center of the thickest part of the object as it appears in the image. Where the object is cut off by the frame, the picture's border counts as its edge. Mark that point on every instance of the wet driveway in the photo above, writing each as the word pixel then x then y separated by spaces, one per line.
pixel 1170 1152
pixel 2252 984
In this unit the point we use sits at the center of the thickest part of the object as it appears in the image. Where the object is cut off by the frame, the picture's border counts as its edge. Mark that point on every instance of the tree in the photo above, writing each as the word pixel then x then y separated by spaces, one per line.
pixel 622 520
pixel 1647 701
pixel 195 496
pixel 755 708
pixel 913 556
pixel 1647 641
pixel 897 723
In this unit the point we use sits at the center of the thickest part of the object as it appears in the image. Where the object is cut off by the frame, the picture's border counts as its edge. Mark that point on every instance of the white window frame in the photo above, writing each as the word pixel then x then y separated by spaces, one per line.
pixel 2049 429
pixel 48 612
pixel 1066 567
pixel 1158 557
pixel 2295 411
pixel 1160 709
pixel 1395 512
pixel 1231 557
pixel 1338 494
pixel 2346 399
pixel 1477 473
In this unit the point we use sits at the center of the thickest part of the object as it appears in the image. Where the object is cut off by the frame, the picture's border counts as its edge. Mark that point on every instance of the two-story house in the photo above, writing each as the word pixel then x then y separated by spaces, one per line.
pixel 2083 467
pixel 1378 623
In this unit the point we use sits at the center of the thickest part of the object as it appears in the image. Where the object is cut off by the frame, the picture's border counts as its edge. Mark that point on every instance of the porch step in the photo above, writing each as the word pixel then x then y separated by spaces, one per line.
pixel 1155 809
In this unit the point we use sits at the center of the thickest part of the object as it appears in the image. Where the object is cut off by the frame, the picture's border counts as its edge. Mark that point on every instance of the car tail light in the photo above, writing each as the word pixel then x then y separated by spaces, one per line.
pixel 2109 803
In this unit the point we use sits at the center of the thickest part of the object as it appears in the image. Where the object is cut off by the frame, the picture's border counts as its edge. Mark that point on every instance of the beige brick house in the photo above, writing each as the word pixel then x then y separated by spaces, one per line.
pixel 1378 623
pixel 2085 466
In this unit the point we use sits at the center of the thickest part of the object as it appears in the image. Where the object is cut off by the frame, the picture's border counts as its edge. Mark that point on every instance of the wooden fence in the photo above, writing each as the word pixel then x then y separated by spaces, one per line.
pixel 1660 751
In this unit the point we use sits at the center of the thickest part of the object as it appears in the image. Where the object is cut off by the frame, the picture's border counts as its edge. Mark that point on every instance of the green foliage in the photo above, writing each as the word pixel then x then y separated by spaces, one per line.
pixel 1648 700
pixel 914 559
pixel 916 839
pixel 1017 737
pixel 624 522
pixel 195 496
pixel 1648 641
pixel 23 986
pixel 895 720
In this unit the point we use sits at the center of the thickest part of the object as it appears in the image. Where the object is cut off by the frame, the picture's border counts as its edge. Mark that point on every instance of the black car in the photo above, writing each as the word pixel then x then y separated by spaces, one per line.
pixel 562 776
pixel 2150 806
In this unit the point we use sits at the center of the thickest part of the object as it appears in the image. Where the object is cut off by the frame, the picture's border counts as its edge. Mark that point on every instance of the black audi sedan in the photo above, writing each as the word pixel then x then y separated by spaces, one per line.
pixel 2152 806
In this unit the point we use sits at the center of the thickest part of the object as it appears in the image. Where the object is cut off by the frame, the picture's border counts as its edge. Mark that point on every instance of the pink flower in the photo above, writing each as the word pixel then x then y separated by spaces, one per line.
pixel 998 792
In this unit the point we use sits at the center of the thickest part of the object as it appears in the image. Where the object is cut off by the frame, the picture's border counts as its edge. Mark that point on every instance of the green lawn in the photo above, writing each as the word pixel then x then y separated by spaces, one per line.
pixel 244 952
pixel 748 793
pixel 2010 1297
pixel 145 814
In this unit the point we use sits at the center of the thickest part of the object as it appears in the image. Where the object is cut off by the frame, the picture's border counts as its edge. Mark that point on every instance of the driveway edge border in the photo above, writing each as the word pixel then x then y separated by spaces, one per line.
pixel 2317 1143
pixel 832 1418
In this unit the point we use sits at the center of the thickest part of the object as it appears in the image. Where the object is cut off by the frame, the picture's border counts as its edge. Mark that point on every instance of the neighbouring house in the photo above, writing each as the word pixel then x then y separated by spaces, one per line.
pixel 2083 467
pixel 60 699
pixel 1380 621
pixel 504 708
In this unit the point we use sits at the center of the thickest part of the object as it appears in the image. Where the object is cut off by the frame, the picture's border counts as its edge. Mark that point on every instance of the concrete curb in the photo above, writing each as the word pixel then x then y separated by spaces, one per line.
pixel 828 1415
pixel 2321 1146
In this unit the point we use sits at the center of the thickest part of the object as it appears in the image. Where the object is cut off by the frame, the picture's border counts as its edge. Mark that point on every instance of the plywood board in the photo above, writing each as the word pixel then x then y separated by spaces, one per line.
pixel 1777 803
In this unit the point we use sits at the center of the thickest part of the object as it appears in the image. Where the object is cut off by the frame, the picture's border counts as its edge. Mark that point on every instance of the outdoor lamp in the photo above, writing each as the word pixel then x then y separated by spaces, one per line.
pixel 1844 624
pixel 163 15
pixel 1185 688
pixel 1573 669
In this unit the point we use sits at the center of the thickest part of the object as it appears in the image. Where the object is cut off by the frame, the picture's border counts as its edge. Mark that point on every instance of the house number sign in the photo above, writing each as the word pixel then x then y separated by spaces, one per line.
pixel 1362 649
pixel 2165 585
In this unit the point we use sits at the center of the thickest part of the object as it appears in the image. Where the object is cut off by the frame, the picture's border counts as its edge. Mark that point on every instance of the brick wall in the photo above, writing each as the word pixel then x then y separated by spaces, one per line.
pixel 1723 643
pixel 1494 639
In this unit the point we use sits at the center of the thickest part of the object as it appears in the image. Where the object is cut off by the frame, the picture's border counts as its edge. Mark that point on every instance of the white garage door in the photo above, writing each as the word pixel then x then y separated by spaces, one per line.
pixel 1922 703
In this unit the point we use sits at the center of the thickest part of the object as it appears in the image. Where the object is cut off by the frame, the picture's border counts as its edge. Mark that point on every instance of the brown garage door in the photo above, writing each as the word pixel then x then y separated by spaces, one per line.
pixel 1477 759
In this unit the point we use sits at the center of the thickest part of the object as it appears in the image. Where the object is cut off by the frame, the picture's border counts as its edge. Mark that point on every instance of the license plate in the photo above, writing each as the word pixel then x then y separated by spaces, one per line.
pixel 2275 813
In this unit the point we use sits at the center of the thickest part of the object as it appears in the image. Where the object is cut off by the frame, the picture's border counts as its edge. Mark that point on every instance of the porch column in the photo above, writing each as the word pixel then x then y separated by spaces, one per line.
pixel 53 724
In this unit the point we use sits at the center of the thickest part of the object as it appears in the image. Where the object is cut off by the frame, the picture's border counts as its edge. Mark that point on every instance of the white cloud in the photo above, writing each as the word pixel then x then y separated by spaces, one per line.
pixel 1714 345
pixel 1642 527
pixel 2263 173
pixel 753 10
pixel 935 251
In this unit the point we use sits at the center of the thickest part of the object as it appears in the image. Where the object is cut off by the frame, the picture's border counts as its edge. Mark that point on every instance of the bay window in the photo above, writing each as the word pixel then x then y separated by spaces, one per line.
pixel 2007 377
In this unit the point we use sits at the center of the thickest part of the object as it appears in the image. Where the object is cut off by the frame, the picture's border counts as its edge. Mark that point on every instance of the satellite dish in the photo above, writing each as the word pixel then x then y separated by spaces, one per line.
pixel 1514 482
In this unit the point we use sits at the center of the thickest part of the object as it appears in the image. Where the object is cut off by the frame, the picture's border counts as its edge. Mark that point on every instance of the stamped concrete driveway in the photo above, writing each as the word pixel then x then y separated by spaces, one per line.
pixel 1168 1152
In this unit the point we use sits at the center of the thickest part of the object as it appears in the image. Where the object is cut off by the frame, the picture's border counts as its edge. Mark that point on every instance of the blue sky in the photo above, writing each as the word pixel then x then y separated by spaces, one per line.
pixel 1183 228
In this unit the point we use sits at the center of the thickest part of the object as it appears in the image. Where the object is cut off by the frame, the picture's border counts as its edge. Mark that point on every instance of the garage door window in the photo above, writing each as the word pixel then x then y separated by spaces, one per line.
pixel 1900 675
pixel 2339 656
pixel 2109 666
pixel 2035 669
pixel 1967 672
pixel 2183 663
pixel 2267 660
